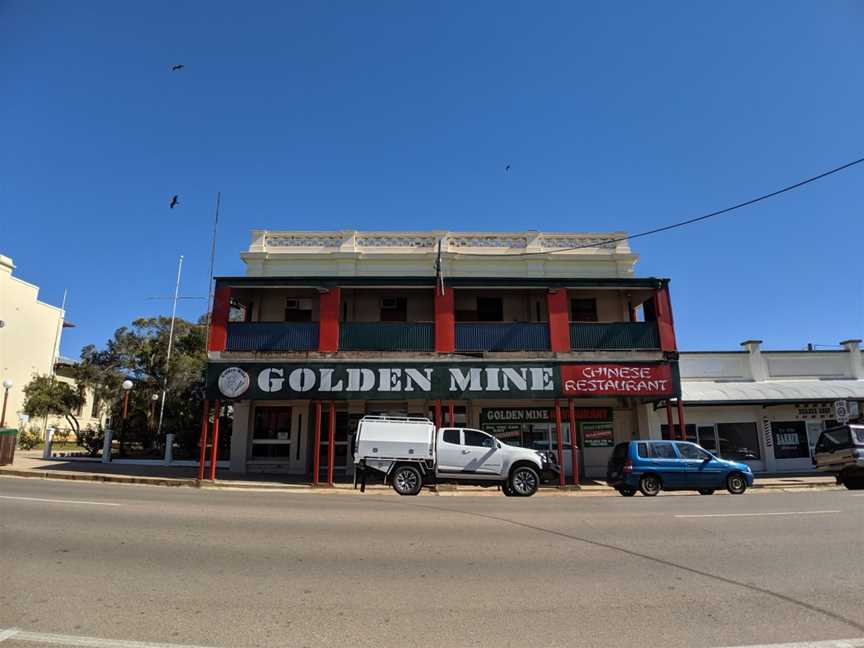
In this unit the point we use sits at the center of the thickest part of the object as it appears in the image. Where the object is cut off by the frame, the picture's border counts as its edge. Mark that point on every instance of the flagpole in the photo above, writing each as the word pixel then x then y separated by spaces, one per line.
pixel 170 342
pixel 210 277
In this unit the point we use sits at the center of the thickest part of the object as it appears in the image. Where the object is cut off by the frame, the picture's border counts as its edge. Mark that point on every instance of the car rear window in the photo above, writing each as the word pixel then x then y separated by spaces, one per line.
pixel 642 449
pixel 620 451
pixel 835 439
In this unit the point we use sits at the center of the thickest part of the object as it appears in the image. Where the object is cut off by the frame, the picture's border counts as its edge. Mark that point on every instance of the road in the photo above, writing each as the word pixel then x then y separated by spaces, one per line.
pixel 234 568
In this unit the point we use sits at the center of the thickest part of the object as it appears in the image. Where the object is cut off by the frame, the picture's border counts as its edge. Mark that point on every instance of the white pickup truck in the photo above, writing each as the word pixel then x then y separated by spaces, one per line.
pixel 411 453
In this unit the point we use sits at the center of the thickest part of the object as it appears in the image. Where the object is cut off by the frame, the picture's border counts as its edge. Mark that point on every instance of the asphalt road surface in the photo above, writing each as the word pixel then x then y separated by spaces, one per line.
pixel 99 563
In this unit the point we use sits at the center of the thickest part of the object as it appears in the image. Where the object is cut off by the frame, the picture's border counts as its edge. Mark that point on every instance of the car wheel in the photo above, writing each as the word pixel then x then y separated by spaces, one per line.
pixel 407 480
pixel 627 491
pixel 736 484
pixel 706 491
pixel 524 481
pixel 854 483
pixel 649 485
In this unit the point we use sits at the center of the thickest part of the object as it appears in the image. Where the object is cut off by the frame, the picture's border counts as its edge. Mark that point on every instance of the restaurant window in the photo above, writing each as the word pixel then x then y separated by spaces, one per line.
pixel 790 440
pixel 739 441
pixel 340 438
pixel 583 310
pixel 271 436
pixel 490 309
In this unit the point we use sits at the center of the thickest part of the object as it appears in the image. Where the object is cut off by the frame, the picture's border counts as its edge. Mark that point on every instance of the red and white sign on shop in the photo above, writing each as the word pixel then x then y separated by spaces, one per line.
pixel 617 380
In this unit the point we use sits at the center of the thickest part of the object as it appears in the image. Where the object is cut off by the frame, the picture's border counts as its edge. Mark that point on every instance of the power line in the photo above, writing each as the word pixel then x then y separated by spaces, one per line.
pixel 689 221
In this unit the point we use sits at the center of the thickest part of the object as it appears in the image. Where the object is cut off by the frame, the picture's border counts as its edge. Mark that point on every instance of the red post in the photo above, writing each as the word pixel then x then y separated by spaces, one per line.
pixel 437 413
pixel 217 406
pixel 219 318
pixel 328 320
pixel 445 321
pixel 558 432
pixel 331 441
pixel 202 458
pixel 574 452
pixel 559 320
pixel 670 424
pixel 665 323
pixel 316 444
pixel 682 427
pixel 451 414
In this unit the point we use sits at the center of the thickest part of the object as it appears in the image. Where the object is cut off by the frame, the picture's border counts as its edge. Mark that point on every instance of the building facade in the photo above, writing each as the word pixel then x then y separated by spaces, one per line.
pixel 30 332
pixel 519 334
pixel 766 408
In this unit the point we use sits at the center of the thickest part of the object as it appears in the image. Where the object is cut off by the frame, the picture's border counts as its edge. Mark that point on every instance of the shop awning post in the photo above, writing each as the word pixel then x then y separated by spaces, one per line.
pixel 561 477
pixel 670 424
pixel 574 451
pixel 316 444
pixel 217 407
pixel 437 413
pixel 331 441
pixel 202 457
pixel 451 414
pixel 682 427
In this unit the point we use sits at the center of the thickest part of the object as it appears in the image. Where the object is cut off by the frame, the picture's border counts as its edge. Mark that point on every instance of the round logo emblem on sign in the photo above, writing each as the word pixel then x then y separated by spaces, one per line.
pixel 233 382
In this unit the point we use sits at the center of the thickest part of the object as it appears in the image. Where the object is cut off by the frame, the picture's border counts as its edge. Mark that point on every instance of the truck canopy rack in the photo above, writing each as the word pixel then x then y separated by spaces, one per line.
pixel 401 419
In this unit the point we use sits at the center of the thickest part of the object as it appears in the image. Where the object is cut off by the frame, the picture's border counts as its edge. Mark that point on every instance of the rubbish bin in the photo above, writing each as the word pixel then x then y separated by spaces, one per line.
pixel 8 439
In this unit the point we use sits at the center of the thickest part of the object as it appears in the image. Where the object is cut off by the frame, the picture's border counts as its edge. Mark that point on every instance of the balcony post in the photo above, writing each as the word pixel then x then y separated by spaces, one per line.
pixel 574 451
pixel 218 333
pixel 558 432
pixel 682 426
pixel 665 322
pixel 328 320
pixel 559 320
pixel 331 441
pixel 445 320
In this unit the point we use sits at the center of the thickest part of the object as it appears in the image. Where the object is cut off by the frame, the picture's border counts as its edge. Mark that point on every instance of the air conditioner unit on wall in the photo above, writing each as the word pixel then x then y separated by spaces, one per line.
pixel 298 304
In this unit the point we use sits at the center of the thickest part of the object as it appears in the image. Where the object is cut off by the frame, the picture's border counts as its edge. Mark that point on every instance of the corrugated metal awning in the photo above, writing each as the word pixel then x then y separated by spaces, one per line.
pixel 772 391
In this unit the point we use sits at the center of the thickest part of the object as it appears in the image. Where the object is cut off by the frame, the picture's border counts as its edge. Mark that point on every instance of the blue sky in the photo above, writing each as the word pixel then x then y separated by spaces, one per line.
pixel 395 115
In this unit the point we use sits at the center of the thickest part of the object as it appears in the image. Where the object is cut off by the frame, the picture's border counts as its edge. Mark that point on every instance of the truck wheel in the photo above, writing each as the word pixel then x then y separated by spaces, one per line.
pixel 407 480
pixel 524 481
pixel 505 488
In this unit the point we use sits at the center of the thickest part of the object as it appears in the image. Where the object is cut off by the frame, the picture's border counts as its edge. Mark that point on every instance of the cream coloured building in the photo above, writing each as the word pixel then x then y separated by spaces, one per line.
pixel 30 332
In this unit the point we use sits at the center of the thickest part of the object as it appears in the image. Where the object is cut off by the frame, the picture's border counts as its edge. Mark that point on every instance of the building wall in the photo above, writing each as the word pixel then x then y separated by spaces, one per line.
pixel 29 338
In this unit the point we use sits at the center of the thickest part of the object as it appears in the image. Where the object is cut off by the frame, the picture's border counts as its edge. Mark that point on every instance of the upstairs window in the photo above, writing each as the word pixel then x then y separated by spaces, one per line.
pixel 239 311
pixel 298 310
pixel 583 310
pixel 394 309
pixel 490 309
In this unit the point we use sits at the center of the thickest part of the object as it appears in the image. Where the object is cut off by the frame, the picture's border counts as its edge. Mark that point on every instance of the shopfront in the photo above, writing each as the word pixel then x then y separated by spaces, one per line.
pixel 280 409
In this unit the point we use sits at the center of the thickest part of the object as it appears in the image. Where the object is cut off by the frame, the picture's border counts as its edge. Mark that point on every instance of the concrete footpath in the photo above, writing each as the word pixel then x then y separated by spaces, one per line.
pixel 31 464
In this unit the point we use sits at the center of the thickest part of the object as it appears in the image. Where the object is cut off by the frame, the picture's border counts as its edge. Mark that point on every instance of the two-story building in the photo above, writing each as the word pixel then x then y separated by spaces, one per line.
pixel 521 334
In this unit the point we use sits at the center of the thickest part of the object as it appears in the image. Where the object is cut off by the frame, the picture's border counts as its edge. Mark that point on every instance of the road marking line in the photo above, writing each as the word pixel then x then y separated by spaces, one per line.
pixel 90 642
pixel 8 633
pixel 833 643
pixel 57 501
pixel 724 515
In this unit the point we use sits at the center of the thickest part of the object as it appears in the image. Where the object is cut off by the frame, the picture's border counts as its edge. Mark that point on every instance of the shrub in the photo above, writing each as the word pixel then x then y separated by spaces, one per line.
pixel 29 438
pixel 91 440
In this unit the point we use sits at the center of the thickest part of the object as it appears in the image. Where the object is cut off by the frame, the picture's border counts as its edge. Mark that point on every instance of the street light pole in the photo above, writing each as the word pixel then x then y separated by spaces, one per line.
pixel 7 385
pixel 127 386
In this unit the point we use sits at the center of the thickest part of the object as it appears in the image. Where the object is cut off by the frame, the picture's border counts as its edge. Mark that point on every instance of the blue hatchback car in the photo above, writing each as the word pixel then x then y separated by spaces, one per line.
pixel 652 466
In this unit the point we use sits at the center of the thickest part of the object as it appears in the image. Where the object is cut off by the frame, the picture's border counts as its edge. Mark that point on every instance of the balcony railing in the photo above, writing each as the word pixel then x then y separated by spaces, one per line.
pixel 272 336
pixel 510 336
pixel 611 336
pixel 386 336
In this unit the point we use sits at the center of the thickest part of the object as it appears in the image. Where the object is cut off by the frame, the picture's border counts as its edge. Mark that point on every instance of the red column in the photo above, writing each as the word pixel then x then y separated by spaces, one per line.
pixel 445 321
pixel 682 427
pixel 558 432
pixel 438 414
pixel 331 441
pixel 328 320
pixel 202 458
pixel 316 444
pixel 451 414
pixel 574 452
pixel 219 318
pixel 559 320
pixel 217 406
pixel 670 423
pixel 665 323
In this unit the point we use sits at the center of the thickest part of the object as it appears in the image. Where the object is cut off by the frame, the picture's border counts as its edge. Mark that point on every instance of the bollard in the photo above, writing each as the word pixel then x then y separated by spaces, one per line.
pixel 169 449
pixel 106 446
pixel 49 440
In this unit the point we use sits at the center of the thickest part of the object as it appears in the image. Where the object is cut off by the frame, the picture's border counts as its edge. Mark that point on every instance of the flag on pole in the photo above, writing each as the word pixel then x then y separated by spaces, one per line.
pixel 439 271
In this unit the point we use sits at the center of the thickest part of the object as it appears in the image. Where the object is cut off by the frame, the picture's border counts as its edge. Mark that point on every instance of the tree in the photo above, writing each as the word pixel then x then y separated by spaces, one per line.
pixel 46 396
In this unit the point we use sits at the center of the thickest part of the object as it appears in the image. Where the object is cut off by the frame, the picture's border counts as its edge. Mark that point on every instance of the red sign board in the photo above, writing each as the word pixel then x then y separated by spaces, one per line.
pixel 617 380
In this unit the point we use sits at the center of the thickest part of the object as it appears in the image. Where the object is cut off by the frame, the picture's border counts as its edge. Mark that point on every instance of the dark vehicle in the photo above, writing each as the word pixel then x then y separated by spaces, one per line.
pixel 652 466
pixel 840 450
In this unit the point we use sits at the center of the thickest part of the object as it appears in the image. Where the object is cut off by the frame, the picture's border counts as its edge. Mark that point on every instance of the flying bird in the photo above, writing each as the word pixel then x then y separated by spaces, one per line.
pixel 507 168
pixel 177 68
pixel 174 202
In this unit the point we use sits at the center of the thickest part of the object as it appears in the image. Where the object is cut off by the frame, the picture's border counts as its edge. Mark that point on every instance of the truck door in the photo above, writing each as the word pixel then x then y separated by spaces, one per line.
pixel 483 454
pixel 450 456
